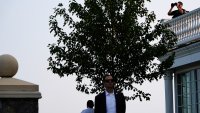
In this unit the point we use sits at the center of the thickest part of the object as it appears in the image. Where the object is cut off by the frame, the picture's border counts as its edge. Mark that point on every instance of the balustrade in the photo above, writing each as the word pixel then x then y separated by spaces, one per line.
pixel 186 27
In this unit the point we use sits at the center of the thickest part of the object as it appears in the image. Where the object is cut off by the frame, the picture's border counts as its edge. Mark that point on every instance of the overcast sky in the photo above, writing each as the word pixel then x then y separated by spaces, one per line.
pixel 24 34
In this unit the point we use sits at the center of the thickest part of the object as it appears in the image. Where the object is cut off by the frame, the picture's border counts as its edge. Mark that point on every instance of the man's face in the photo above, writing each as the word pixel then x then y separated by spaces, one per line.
pixel 179 5
pixel 109 82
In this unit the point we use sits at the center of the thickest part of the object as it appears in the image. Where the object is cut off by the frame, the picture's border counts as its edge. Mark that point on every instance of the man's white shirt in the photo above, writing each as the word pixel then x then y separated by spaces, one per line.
pixel 110 102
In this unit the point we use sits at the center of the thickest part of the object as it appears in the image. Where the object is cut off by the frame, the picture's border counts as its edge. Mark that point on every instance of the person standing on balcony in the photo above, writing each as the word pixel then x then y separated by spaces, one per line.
pixel 178 12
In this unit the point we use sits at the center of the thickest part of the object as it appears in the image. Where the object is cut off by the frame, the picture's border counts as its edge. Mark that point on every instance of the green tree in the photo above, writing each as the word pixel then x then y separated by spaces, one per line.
pixel 107 37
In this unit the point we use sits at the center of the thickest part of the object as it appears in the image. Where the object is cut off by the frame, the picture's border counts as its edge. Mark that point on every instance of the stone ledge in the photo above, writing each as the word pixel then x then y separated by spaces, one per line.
pixel 19 94
pixel 12 84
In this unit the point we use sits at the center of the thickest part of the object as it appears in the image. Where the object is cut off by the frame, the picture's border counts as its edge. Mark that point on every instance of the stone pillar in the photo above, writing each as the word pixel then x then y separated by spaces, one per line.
pixel 168 93
pixel 16 96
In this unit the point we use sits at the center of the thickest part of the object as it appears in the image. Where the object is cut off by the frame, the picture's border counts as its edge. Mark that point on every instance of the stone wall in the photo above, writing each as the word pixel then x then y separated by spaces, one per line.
pixel 18 105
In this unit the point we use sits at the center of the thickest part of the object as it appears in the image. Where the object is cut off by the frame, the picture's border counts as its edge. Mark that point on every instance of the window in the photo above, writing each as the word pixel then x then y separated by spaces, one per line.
pixel 188 92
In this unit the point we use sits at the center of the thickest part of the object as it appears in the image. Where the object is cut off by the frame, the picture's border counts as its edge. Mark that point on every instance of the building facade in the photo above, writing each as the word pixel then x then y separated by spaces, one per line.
pixel 182 81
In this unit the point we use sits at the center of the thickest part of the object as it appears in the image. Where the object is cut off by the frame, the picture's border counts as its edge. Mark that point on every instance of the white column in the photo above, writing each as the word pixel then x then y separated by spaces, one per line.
pixel 168 93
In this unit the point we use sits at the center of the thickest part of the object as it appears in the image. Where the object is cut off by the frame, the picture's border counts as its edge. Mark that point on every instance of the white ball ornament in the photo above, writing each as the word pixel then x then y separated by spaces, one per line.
pixel 8 66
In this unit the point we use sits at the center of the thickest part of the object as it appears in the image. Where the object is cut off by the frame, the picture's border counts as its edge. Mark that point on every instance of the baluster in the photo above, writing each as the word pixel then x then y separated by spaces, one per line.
pixel 194 24
pixel 174 27
pixel 196 17
pixel 198 22
pixel 190 26
pixel 181 27
pixel 187 24
pixel 177 26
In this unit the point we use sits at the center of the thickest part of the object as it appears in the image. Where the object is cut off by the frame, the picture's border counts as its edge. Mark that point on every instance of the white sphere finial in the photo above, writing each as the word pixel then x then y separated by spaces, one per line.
pixel 8 66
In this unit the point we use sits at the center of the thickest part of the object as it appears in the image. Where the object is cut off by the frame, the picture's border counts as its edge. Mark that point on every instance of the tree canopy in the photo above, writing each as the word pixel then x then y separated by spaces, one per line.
pixel 109 36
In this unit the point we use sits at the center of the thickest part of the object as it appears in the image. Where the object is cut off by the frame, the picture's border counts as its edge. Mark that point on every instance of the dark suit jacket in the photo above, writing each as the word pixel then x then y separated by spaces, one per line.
pixel 100 103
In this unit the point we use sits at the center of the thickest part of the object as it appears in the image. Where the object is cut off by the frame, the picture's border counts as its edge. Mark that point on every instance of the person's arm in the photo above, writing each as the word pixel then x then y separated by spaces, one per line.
pixel 124 103
pixel 121 103
pixel 96 106
pixel 170 11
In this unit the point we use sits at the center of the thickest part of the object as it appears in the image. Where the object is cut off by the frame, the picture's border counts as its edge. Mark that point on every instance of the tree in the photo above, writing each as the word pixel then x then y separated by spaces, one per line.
pixel 107 37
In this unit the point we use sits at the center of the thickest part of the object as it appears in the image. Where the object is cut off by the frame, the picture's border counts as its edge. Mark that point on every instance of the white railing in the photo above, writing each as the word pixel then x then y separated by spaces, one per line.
pixel 186 27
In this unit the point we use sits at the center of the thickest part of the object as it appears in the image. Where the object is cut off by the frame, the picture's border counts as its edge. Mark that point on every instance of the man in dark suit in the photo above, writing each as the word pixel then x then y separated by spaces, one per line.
pixel 109 101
